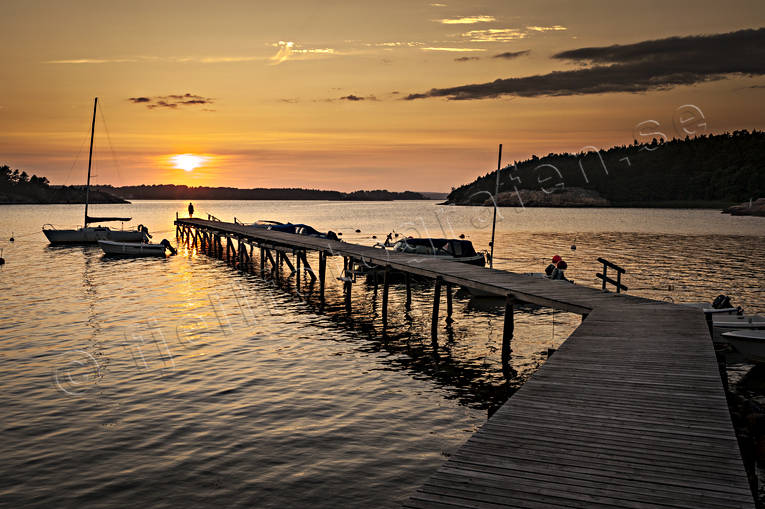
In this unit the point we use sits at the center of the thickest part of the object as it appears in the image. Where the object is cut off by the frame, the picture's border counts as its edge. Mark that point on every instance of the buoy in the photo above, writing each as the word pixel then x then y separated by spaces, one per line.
pixel 573 247
pixel 462 235
pixel 339 233
pixel 12 239
pixel 374 236
pixel 2 260
pixel 358 231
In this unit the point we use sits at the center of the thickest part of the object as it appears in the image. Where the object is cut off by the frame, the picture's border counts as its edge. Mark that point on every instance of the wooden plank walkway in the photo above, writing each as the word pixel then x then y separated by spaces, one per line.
pixel 629 412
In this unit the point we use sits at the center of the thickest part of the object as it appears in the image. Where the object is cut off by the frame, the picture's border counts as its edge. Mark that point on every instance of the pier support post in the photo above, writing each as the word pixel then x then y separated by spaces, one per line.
pixel 286 259
pixel 386 283
pixel 507 336
pixel 436 303
pixel 308 266
pixel 408 291
pixel 347 283
pixel 297 275
pixel 449 319
pixel 322 273
pixel 262 260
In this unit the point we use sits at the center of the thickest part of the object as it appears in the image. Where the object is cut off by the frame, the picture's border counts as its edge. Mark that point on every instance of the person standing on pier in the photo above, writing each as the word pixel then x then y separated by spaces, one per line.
pixel 191 210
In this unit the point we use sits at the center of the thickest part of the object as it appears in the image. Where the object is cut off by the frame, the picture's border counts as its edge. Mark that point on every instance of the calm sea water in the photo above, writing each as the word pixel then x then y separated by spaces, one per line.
pixel 163 383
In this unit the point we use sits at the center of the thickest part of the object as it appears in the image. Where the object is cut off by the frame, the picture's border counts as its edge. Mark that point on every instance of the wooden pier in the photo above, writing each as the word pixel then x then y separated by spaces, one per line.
pixel 629 412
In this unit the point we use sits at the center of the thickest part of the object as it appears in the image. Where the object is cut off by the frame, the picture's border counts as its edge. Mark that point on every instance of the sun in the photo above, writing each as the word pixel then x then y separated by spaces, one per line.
pixel 187 162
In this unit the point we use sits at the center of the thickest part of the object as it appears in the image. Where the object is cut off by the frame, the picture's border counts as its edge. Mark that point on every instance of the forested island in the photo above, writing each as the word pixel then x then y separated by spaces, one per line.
pixel 181 192
pixel 18 187
pixel 712 171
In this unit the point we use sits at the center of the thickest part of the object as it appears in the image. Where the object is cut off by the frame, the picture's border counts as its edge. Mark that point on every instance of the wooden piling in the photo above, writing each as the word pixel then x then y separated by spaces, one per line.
pixel 408 291
pixel 449 303
pixel 436 303
pixel 386 282
pixel 507 336
pixel 322 272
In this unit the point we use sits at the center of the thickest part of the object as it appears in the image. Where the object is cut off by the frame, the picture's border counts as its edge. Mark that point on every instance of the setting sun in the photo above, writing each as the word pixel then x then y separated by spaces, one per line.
pixel 187 162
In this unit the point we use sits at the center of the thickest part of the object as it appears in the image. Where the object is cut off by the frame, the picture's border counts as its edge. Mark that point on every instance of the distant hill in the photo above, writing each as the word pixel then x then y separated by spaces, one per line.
pixel 19 187
pixel 434 195
pixel 712 171
pixel 175 192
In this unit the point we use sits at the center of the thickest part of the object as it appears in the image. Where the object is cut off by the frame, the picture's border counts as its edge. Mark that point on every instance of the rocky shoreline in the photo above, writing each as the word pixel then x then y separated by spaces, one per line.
pixel 750 208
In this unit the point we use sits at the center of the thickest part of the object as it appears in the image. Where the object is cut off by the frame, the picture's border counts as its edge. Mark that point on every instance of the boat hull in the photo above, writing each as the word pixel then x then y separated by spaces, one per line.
pixel 91 235
pixel 133 249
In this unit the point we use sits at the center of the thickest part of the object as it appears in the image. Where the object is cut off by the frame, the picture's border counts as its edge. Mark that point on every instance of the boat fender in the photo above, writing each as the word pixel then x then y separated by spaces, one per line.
pixel 169 247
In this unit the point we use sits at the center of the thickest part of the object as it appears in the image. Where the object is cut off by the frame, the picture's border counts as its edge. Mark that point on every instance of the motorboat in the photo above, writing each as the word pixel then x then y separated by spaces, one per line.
pixel 748 342
pixel 302 229
pixel 92 234
pixel 265 224
pixel 135 249
pixel 458 250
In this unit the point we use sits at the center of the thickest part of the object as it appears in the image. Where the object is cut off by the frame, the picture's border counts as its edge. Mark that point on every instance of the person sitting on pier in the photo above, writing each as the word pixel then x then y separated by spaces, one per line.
pixel 551 268
pixel 559 273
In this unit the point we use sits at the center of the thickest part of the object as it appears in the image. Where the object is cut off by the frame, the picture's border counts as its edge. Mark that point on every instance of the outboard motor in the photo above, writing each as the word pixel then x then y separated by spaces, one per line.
pixel 145 231
pixel 722 301
pixel 168 246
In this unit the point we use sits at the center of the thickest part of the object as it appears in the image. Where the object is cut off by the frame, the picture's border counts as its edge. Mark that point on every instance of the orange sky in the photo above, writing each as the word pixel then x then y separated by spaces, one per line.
pixel 272 86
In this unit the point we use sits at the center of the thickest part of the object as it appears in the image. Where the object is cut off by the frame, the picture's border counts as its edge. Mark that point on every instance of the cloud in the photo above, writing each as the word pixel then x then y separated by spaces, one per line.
pixel 553 28
pixel 509 55
pixel 289 50
pixel 466 20
pixel 93 61
pixel 172 101
pixel 284 52
pixel 356 98
pixel 453 50
pixel 495 35
pixel 649 65
pixel 466 59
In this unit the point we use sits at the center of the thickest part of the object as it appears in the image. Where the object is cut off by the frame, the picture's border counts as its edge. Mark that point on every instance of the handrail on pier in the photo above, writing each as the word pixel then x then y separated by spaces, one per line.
pixel 606 279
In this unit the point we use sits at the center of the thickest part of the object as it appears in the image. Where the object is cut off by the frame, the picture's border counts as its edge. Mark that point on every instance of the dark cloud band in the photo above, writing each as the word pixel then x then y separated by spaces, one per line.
pixel 649 65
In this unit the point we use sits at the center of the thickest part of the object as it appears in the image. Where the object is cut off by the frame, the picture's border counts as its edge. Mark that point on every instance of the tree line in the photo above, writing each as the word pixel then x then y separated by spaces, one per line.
pixel 727 167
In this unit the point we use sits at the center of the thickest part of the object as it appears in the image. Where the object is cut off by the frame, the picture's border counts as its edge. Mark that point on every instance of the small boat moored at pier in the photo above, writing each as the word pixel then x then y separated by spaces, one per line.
pixel 135 249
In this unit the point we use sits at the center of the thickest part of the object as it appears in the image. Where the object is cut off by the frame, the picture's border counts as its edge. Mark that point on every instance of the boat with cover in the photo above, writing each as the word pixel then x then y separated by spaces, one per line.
pixel 92 234
pixel 457 250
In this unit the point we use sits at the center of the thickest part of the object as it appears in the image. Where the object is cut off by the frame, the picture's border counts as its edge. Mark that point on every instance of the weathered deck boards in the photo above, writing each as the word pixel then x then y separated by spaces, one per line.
pixel 629 412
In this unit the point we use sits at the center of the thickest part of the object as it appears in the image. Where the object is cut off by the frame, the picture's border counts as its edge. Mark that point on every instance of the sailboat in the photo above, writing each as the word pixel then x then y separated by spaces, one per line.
pixel 92 234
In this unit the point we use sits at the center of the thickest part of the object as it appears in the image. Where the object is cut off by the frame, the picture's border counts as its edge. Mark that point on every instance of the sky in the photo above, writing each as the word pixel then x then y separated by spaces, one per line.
pixel 401 95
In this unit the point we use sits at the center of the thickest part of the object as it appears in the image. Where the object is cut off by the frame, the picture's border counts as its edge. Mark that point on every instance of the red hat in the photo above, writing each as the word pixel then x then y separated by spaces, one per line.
pixel 556 259
pixel 562 265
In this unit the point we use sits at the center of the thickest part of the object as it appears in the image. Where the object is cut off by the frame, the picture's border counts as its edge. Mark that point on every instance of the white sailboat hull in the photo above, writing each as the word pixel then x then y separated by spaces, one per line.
pixel 131 248
pixel 91 235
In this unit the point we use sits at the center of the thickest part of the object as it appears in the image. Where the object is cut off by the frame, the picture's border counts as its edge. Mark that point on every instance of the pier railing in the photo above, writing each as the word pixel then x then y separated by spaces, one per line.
pixel 606 279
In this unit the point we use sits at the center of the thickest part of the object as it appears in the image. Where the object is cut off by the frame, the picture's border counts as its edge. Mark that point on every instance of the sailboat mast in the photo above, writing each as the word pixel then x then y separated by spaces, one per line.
pixel 90 158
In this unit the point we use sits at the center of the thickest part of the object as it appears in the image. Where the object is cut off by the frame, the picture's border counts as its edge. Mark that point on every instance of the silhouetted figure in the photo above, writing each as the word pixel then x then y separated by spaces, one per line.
pixel 191 210
pixel 551 268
